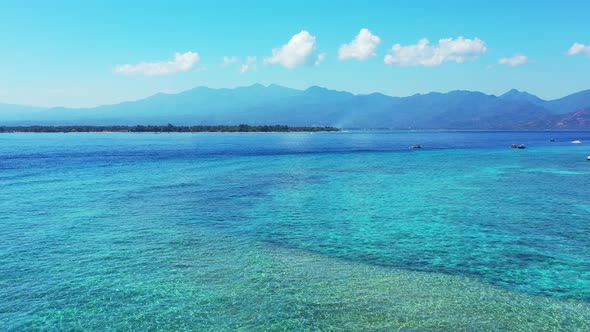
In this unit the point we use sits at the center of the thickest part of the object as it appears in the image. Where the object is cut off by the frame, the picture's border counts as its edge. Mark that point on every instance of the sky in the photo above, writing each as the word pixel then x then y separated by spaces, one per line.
pixel 88 53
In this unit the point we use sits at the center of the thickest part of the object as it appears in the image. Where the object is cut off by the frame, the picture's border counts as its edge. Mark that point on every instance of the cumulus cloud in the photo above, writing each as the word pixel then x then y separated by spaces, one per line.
pixel 361 48
pixel 229 60
pixel 182 62
pixel 249 65
pixel 515 60
pixel 447 50
pixel 578 48
pixel 298 51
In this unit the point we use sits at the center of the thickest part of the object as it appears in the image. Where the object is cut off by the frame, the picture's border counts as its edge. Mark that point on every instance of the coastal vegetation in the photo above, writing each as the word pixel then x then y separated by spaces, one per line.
pixel 242 128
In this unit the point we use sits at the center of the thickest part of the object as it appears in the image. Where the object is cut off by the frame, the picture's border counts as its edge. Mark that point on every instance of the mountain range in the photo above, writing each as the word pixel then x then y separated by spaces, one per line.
pixel 316 106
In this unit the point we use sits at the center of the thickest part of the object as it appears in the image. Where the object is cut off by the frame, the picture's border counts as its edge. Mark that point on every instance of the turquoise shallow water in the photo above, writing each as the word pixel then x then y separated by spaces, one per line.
pixel 334 231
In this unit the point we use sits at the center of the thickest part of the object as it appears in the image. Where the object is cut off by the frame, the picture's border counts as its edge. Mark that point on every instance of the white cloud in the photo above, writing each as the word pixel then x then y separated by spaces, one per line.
pixel 578 48
pixel 447 50
pixel 319 59
pixel 249 65
pixel 515 60
pixel 298 51
pixel 182 62
pixel 361 48
pixel 229 60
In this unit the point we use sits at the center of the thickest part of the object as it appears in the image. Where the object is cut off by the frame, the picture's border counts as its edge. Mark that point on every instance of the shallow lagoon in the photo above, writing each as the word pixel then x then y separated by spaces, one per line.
pixel 327 231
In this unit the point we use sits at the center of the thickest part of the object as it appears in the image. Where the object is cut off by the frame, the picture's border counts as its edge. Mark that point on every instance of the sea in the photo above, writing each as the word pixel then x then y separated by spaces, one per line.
pixel 340 231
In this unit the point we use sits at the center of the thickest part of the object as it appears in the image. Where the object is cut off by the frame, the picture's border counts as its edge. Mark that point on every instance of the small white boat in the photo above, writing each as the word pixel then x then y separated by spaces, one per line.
pixel 588 158
pixel 577 142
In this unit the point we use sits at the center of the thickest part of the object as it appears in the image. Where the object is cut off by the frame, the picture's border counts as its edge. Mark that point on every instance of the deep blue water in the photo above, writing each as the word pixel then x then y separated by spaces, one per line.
pixel 348 230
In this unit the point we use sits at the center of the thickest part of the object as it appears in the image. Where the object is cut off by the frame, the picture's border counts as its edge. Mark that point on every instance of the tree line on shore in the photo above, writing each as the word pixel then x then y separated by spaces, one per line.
pixel 242 128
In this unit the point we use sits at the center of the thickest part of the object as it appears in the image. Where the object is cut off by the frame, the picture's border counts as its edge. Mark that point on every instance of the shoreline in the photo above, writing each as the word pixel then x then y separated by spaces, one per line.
pixel 56 130
pixel 157 129
pixel 171 132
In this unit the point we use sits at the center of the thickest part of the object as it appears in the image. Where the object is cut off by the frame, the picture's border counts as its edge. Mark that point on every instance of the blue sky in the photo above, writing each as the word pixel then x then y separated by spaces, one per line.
pixel 86 53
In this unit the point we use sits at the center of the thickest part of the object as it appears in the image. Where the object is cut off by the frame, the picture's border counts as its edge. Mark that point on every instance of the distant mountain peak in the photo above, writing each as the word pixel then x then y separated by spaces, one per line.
pixel 324 94
pixel 316 88
pixel 466 92
pixel 517 95
pixel 273 85
pixel 277 87
pixel 255 86
pixel 513 91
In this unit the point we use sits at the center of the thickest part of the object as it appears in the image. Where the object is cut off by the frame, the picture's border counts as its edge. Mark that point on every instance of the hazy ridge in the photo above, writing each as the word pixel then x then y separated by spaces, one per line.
pixel 316 106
